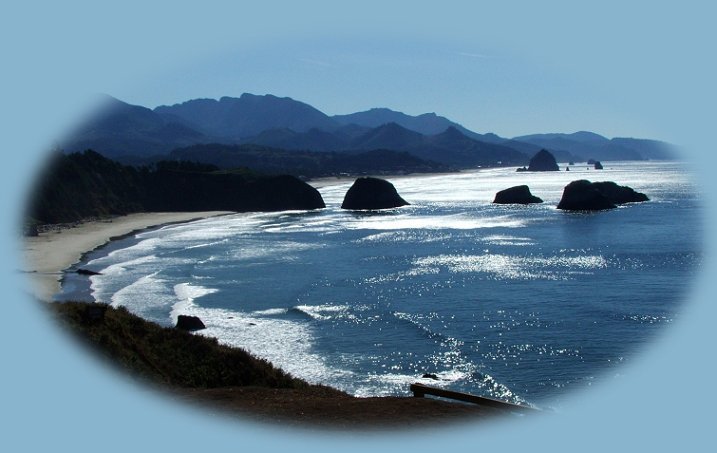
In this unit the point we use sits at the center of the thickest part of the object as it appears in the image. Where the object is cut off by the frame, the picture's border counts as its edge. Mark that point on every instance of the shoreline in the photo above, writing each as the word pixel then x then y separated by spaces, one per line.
pixel 48 255
pixel 198 371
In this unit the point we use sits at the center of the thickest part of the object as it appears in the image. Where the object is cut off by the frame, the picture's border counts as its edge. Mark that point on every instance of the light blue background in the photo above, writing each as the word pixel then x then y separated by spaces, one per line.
pixel 654 68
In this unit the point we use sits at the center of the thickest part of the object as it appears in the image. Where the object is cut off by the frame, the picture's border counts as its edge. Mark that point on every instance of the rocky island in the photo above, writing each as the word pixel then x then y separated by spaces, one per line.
pixel 516 195
pixel 543 160
pixel 583 195
pixel 372 193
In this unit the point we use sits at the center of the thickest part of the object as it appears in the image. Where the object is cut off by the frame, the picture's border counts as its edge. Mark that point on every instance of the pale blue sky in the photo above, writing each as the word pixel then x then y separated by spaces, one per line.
pixel 511 68
pixel 486 89
pixel 482 86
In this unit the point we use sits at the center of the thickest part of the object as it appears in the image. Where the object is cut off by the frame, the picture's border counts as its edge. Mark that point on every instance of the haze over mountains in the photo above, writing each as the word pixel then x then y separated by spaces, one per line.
pixel 271 124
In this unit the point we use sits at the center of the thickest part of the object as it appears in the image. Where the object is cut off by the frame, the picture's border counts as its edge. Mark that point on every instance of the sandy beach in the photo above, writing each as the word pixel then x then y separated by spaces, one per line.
pixel 47 255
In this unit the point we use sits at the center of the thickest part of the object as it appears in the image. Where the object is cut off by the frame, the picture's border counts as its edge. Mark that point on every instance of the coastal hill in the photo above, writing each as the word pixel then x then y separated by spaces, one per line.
pixel 589 145
pixel 83 185
pixel 131 133
pixel 198 370
pixel 306 163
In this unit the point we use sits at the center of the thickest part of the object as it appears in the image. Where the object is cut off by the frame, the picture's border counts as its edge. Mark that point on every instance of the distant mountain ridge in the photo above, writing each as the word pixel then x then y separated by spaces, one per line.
pixel 426 123
pixel 589 145
pixel 130 133
pixel 247 115
pixel 118 129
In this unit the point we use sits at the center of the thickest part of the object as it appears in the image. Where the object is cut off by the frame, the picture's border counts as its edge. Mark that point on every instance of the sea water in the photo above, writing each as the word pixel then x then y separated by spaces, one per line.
pixel 521 303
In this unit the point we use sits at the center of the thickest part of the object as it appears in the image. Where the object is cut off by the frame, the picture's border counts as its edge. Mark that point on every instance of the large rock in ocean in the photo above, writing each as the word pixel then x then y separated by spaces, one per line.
pixel 372 193
pixel 584 195
pixel 516 195
pixel 275 193
pixel 191 323
pixel 543 161
pixel 620 194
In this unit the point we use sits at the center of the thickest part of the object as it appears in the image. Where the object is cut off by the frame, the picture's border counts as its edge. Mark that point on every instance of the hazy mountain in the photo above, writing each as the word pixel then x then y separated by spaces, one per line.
pixel 580 136
pixel 649 149
pixel 589 145
pixel 450 147
pixel 121 129
pixel 426 124
pixel 431 124
pixel 306 163
pixel 235 119
pixel 313 139
pixel 453 147
pixel 388 136
pixel 340 139
pixel 134 134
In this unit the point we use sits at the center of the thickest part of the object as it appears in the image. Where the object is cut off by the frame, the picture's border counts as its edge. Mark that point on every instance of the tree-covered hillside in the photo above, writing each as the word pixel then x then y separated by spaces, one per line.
pixel 82 185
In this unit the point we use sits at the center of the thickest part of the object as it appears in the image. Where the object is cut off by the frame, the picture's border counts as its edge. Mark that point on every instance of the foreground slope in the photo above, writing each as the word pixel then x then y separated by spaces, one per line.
pixel 199 370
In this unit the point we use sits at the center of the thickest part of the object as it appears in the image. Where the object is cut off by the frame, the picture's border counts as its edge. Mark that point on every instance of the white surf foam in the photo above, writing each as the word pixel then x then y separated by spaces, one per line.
pixel 187 293
pixel 286 344
pixel 325 311
pixel 270 312
pixel 148 297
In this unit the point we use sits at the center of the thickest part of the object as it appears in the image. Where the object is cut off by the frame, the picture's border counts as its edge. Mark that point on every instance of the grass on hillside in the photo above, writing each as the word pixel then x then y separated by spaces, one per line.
pixel 167 355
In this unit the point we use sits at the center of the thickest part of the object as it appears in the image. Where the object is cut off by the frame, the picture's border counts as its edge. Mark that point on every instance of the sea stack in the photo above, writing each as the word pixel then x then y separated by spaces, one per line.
pixel 598 165
pixel 543 161
pixel 584 195
pixel 516 195
pixel 372 193
pixel 620 194
pixel 278 193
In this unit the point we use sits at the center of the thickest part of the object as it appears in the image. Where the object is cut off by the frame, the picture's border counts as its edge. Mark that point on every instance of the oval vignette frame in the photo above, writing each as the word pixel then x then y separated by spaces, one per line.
pixel 669 349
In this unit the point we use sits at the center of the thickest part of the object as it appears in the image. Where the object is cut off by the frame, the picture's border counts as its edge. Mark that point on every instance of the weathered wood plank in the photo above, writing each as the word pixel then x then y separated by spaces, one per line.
pixel 420 390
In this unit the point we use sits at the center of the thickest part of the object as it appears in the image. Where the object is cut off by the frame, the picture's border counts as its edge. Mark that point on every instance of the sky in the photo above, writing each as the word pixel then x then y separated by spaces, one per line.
pixel 637 68
pixel 484 87
pixel 513 69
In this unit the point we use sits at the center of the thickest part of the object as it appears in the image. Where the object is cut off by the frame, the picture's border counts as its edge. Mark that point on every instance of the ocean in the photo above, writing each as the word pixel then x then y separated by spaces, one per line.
pixel 522 303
